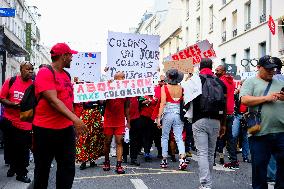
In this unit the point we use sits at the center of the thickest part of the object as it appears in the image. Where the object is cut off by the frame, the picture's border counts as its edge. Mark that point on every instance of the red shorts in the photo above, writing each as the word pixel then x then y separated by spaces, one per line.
pixel 114 130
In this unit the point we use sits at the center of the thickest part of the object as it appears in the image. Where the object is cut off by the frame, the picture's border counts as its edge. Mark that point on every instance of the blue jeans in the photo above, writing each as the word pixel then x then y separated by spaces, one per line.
pixel 271 169
pixel 171 119
pixel 236 129
pixel 261 149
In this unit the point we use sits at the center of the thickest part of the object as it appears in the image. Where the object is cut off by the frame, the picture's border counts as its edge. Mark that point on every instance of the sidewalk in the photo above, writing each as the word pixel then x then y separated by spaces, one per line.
pixel 12 183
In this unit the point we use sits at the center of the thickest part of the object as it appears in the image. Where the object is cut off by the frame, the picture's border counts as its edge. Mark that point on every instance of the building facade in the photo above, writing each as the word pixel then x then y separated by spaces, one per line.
pixel 19 38
pixel 238 29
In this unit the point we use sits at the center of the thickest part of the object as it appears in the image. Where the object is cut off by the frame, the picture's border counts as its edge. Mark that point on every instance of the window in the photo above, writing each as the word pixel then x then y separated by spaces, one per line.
pixel 211 18
pixel 235 23
pixel 186 36
pixel 262 49
pixel 223 61
pixel 234 57
pixel 197 28
pixel 187 8
pixel 223 30
pixel 247 56
pixel 262 11
pixel 247 16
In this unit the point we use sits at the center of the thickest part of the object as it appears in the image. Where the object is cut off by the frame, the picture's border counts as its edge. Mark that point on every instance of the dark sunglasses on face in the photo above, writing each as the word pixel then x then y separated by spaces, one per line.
pixel 162 81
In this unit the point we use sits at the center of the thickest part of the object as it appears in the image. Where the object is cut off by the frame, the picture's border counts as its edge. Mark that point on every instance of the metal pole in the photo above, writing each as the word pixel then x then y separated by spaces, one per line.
pixel 3 65
pixel 270 53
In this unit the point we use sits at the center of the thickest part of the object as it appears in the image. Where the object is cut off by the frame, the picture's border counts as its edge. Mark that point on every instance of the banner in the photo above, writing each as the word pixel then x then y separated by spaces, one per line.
pixel 134 54
pixel 86 66
pixel 116 89
pixel 184 66
pixel 7 12
pixel 231 69
pixel 200 50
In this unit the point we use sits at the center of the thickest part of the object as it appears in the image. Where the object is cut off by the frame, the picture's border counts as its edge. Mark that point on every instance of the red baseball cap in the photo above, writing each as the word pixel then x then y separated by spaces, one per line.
pixel 60 49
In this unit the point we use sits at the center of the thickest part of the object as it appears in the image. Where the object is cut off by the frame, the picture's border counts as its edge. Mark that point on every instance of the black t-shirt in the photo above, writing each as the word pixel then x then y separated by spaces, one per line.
pixel 197 114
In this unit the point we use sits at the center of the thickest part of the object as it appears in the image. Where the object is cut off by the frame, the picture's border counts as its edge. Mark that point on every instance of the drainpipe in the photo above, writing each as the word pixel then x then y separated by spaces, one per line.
pixel 270 13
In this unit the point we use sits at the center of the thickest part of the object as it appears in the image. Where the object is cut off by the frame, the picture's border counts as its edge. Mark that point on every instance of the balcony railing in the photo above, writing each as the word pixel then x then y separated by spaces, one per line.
pixel 223 36
pixel 262 18
pixel 247 26
pixel 198 4
pixel 235 32
pixel 198 37
pixel 211 27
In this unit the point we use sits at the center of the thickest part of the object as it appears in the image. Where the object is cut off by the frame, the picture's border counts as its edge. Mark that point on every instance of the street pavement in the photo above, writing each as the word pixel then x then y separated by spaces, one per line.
pixel 147 176
pixel 11 183
pixel 150 175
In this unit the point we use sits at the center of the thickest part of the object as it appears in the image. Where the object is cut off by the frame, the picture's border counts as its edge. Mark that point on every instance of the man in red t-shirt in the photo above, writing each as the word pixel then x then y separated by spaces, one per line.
pixel 17 133
pixel 114 124
pixel 54 134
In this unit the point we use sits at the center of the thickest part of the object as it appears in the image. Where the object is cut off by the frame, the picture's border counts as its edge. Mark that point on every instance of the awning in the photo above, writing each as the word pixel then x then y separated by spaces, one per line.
pixel 10 43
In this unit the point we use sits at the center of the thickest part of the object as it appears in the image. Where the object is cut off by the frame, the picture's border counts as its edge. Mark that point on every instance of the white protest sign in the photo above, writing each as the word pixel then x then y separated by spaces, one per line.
pixel 86 66
pixel 134 54
pixel 192 88
pixel 245 75
pixel 200 50
pixel 86 92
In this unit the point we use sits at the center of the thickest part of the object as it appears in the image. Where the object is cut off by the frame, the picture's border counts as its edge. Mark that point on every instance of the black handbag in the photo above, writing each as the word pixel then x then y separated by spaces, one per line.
pixel 253 118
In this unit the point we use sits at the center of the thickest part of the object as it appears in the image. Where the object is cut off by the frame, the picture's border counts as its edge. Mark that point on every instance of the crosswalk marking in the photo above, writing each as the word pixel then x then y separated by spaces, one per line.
pixel 138 184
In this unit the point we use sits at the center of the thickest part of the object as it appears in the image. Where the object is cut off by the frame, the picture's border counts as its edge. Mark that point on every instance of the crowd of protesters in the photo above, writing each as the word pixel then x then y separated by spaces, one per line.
pixel 84 132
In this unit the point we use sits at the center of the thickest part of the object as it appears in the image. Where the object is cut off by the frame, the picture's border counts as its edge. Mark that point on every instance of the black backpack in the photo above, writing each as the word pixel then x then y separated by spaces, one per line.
pixel 212 100
pixel 29 100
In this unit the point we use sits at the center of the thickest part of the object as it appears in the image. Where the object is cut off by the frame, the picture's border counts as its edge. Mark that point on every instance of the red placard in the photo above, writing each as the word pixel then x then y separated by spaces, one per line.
pixel 271 25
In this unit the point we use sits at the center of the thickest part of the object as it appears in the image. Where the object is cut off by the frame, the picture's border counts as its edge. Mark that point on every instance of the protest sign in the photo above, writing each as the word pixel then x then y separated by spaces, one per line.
pixel 245 75
pixel 86 66
pixel 200 50
pixel 231 69
pixel 134 54
pixel 184 66
pixel 192 88
pixel 86 92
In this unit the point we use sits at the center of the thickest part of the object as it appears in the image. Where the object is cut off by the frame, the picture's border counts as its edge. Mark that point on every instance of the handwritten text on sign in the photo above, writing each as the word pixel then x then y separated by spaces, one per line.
pixel 116 89
pixel 86 66
pixel 184 66
pixel 134 54
pixel 200 50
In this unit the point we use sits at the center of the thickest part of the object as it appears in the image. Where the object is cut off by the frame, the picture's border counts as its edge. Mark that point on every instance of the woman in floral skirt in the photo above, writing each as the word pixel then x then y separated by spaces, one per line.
pixel 90 147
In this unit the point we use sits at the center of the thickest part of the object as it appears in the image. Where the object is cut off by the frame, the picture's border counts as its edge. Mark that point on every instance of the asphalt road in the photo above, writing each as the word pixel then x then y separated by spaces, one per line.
pixel 150 175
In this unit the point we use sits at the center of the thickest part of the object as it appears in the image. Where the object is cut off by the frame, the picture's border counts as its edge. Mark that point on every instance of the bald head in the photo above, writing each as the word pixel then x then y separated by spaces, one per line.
pixel 27 70
pixel 119 76
pixel 220 71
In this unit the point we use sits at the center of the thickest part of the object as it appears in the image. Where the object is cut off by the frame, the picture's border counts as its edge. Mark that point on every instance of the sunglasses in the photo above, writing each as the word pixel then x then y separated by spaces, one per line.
pixel 162 81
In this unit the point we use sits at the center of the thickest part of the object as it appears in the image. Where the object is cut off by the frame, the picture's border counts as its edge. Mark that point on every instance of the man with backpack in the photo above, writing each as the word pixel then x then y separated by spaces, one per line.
pixel 17 133
pixel 54 121
pixel 209 112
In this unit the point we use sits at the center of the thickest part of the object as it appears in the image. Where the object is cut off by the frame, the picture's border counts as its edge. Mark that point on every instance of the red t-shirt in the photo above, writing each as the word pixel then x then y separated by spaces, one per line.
pixel 114 113
pixel 15 94
pixel 229 82
pixel 45 115
pixel 134 108
pixel 147 111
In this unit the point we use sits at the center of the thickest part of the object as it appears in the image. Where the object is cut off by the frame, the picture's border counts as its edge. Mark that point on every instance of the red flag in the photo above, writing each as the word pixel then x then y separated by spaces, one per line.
pixel 271 25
